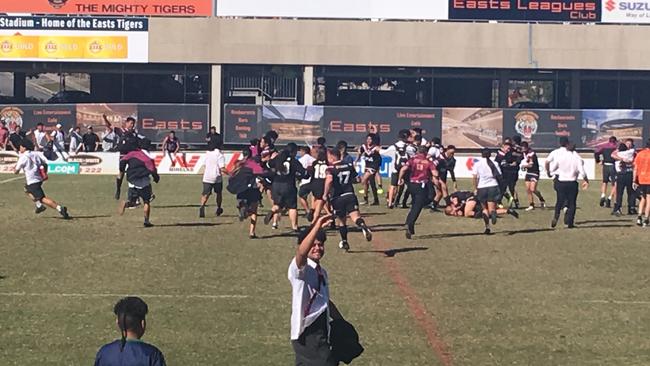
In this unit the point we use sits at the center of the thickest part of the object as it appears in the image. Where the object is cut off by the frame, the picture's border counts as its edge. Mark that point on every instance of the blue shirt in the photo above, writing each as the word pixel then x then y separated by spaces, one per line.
pixel 135 353
pixel 348 159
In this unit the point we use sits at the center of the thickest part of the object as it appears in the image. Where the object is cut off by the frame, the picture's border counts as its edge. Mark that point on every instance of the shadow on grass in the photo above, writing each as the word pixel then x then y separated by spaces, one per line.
pixel 190 224
pixel 390 252
pixel 176 206
pixel 2 277
pixel 289 234
pixel 447 235
pixel 526 231
pixel 90 217
pixel 630 224
pixel 601 221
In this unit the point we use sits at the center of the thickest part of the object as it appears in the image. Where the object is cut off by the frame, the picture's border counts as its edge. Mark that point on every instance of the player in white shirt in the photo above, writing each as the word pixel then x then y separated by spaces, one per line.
pixel 35 167
pixel 215 163
pixel 75 141
pixel 304 188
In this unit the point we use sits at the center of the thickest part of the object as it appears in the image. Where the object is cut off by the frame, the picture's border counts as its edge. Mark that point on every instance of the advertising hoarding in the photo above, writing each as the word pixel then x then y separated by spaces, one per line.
pixel 542 128
pixel 53 38
pixel 304 124
pixel 349 9
pixel 472 127
pixel 111 7
pixel 616 11
pixel 526 10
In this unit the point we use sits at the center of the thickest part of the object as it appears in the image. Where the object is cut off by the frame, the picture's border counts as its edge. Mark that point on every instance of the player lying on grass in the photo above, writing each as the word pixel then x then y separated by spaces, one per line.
pixel 465 204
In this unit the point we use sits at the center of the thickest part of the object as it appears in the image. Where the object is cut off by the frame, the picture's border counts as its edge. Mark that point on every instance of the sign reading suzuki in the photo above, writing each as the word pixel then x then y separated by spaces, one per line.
pixel 615 11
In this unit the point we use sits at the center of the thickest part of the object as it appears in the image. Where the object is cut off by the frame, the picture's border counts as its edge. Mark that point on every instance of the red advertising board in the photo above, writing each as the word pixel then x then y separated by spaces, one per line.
pixel 111 7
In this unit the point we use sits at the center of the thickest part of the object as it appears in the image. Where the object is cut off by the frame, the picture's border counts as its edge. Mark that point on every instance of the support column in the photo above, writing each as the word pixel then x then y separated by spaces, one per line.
pixel 20 86
pixel 308 82
pixel 216 105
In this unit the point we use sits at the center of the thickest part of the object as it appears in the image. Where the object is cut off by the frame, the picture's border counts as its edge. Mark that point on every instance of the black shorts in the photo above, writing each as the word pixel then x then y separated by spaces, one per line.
pixel 442 175
pixel 609 173
pixel 144 193
pixel 532 177
pixel 394 178
pixel 304 190
pixel 208 188
pixel 284 196
pixel 318 188
pixel 488 194
pixel 644 189
pixel 250 197
pixel 36 190
pixel 344 205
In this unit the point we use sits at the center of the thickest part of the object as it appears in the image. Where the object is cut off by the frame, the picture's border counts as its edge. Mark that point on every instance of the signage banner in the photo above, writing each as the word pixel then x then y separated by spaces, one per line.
pixel 190 121
pixel 615 11
pixel 472 127
pixel 526 10
pixel 542 128
pixel 111 7
pixel 350 9
pixel 97 163
pixel 62 167
pixel 304 124
pixel 74 39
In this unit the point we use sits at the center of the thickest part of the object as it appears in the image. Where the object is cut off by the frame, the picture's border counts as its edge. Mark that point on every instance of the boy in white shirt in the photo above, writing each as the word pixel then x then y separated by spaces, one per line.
pixel 215 162
pixel 35 167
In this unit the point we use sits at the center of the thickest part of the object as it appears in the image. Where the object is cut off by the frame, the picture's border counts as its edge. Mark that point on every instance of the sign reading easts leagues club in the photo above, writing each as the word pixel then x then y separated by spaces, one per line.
pixel 526 10
pixel 110 7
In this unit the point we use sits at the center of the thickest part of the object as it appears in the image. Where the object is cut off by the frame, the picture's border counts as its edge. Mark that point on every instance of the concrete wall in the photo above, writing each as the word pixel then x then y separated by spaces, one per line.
pixel 442 44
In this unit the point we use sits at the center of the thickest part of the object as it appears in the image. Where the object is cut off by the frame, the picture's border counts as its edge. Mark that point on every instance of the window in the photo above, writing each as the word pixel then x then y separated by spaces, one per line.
pixel 6 85
pixel 598 94
pixel 258 84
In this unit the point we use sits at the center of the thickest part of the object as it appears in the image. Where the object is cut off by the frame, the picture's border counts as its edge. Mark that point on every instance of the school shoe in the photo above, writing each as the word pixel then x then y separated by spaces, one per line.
pixel 487 231
pixel 617 213
pixel 514 213
pixel 602 201
pixel 40 209
pixel 202 211
pixel 608 203
pixel 407 233
pixel 366 233
pixel 542 204
pixel 343 244
pixel 554 223
pixel 64 213
pixel 632 211
pixel 219 211
pixel 530 208
pixel 493 217
pixel 148 224
pixel 639 221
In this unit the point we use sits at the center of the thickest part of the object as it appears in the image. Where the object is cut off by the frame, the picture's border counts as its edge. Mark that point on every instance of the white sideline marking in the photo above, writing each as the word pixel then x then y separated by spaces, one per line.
pixel 622 302
pixel 161 296
pixel 10 180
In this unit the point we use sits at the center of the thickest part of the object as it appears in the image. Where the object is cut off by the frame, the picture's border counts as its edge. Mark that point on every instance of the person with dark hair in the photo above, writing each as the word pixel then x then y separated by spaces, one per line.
pixel 4 135
pixel 509 166
pixel 139 167
pixel 34 165
pixel 403 151
pixel 171 146
pixel 318 173
pixel 422 173
pixel 304 188
pixel 41 137
pixel 310 301
pixel 285 169
pixel 530 164
pixel 609 171
pixel 321 142
pixel 465 204
pixel 486 176
pixel 369 153
pixel 125 136
pixel 16 137
pixel 76 141
pixel 342 146
pixel 213 137
pixel 641 179
pixel 565 167
pixel 419 133
pixel 131 315
pixel 90 140
pixel 624 164
pixel 445 164
pixel 339 180
pixel 243 182
pixel 215 163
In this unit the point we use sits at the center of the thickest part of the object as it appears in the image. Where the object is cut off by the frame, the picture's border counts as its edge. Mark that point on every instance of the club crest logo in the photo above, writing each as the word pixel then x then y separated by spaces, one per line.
pixel 526 124
pixel 57 4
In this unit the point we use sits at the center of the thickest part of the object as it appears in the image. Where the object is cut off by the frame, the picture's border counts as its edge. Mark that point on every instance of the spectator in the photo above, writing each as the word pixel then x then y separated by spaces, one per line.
pixel 109 140
pixel 91 140
pixel 213 137
pixel 40 137
pixel 130 350
pixel 58 141
pixel 4 135
pixel 75 140
pixel 15 139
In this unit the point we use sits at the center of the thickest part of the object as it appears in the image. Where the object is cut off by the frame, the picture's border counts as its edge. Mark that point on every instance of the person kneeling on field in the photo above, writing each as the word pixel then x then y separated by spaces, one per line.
pixel 35 167
pixel 138 167
pixel 129 349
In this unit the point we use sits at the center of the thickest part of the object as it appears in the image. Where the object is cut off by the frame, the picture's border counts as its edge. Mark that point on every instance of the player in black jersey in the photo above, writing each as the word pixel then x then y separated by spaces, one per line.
pixel 285 169
pixel 318 173
pixel 509 171
pixel 369 153
pixel 517 156
pixel 530 163
pixel 609 172
pixel 338 183
pixel 445 164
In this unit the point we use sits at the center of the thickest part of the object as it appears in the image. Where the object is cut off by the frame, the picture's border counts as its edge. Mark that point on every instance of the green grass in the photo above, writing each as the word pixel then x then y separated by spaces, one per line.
pixel 518 297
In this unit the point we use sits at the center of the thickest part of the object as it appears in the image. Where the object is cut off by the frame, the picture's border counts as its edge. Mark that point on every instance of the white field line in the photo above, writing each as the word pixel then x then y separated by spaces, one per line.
pixel 160 296
pixel 11 179
pixel 618 302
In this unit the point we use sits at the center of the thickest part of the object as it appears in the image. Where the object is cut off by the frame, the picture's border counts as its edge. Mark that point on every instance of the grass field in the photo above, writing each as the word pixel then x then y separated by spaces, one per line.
pixel 525 296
